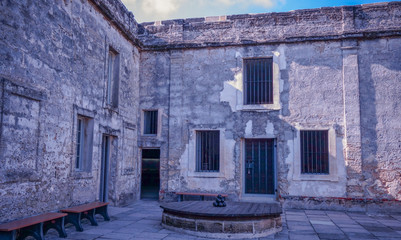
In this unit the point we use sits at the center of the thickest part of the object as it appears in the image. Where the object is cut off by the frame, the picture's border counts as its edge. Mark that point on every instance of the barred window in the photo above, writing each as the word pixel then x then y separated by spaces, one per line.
pixel 258 84
pixel 314 152
pixel 207 151
pixel 150 122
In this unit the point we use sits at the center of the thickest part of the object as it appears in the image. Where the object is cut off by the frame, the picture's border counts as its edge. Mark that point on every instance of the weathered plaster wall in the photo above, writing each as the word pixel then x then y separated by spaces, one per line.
pixel 327 62
pixel 154 95
pixel 380 92
pixel 53 63
pixel 203 96
pixel 335 68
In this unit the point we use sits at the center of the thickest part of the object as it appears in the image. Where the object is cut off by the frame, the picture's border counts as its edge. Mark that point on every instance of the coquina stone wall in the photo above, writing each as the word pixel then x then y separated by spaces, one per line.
pixel 53 68
pixel 337 69
pixel 334 68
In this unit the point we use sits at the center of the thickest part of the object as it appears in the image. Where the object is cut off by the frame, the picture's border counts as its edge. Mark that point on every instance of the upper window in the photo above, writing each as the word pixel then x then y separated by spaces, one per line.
pixel 84 143
pixel 150 122
pixel 314 152
pixel 113 73
pixel 258 81
pixel 207 151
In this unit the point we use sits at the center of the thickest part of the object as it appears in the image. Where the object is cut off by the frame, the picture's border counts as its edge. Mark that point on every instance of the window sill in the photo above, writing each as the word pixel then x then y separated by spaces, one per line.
pixel 112 109
pixel 259 107
pixel 81 174
pixel 149 135
pixel 315 177
pixel 206 174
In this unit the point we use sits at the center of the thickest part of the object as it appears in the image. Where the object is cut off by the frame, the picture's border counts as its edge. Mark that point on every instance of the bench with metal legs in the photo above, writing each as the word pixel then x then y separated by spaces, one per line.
pixel 36 227
pixel 88 211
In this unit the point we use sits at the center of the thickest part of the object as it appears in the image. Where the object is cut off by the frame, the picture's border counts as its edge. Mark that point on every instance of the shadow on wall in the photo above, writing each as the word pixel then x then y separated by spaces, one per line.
pixel 379 95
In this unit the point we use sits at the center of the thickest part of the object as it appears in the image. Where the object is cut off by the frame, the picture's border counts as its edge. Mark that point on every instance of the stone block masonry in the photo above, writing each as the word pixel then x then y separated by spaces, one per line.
pixel 322 64
pixel 333 69
pixel 53 70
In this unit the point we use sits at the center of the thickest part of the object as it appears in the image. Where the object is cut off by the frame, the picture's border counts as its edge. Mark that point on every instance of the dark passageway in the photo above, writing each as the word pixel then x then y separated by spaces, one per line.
pixel 150 182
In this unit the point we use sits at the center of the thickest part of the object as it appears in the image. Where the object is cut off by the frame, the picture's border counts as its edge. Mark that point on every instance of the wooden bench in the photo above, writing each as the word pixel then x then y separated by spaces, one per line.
pixel 88 211
pixel 36 227
pixel 201 195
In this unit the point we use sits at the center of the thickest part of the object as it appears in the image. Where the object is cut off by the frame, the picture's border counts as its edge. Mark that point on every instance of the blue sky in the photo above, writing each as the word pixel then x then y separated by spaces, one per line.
pixel 153 10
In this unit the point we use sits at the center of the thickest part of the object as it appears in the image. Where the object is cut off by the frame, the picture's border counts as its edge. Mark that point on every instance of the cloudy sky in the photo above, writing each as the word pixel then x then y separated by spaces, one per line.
pixel 153 10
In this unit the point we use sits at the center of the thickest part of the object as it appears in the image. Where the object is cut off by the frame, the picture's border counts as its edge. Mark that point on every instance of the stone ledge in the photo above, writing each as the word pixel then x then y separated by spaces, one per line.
pixel 201 218
pixel 223 228
pixel 322 24
pixel 374 205
pixel 119 16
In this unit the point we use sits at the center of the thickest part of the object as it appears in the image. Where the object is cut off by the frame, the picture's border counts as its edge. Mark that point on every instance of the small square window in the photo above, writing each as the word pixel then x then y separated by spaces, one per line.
pixel 314 152
pixel 150 122
pixel 258 81
pixel 207 151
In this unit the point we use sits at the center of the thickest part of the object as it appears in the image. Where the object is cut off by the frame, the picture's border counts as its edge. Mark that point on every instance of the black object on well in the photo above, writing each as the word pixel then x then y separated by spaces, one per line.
pixel 219 201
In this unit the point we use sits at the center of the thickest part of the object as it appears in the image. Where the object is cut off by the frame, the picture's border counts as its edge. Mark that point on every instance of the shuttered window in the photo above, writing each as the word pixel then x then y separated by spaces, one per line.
pixel 80 139
pixel 258 84
pixel 113 82
pixel 314 152
pixel 84 143
pixel 207 151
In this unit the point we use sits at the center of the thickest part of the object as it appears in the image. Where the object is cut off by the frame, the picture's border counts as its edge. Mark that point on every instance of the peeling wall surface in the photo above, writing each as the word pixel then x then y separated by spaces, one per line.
pixel 334 69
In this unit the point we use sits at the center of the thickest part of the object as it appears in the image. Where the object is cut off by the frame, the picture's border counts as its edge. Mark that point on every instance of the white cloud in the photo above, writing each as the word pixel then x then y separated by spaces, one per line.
pixel 263 3
pixel 152 10
pixel 164 7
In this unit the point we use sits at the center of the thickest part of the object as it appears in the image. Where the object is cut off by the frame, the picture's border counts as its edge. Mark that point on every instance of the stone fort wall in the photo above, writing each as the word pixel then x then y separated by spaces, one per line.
pixel 53 69
pixel 336 68
pixel 328 67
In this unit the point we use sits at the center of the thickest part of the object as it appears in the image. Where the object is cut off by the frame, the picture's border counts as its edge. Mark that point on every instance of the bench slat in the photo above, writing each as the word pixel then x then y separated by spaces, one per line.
pixel 14 225
pixel 84 207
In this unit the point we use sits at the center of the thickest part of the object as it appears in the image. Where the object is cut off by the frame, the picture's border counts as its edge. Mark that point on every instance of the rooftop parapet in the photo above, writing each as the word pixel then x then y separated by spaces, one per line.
pixel 124 20
pixel 328 23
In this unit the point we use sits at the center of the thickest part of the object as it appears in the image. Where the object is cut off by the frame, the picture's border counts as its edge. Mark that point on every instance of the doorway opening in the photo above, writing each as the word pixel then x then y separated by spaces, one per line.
pixel 150 180
pixel 104 172
pixel 259 166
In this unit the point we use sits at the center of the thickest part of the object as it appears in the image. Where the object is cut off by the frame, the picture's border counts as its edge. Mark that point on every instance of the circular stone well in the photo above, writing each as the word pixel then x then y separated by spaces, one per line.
pixel 236 220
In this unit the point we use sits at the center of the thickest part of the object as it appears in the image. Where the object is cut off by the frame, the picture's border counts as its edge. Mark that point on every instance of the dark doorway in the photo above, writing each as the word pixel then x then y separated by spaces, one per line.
pixel 104 171
pixel 150 182
pixel 259 166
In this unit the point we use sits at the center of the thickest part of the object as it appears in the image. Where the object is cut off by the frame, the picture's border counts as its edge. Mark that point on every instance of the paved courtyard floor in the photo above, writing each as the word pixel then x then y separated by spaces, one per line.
pixel 141 221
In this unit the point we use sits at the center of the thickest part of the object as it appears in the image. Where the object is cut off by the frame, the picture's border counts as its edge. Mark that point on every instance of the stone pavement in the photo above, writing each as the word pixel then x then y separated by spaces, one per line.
pixel 141 221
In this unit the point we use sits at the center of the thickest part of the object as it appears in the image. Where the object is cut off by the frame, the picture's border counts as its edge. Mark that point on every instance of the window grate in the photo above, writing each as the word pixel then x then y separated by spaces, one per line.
pixel 207 151
pixel 258 81
pixel 150 122
pixel 259 166
pixel 314 152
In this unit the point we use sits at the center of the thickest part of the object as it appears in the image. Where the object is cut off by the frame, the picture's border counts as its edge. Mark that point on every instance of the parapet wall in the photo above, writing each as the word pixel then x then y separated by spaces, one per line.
pixel 118 14
pixel 329 23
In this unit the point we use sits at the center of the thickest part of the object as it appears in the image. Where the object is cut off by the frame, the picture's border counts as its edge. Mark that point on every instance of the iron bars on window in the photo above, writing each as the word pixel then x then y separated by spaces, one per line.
pixel 258 87
pixel 314 152
pixel 207 151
